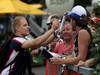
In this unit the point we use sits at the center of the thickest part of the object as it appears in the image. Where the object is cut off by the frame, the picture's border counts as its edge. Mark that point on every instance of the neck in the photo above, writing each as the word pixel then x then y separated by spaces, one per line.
pixel 68 42
pixel 18 34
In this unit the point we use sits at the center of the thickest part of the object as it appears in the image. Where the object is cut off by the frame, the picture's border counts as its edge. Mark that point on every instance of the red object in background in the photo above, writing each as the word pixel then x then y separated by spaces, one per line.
pixel 96 19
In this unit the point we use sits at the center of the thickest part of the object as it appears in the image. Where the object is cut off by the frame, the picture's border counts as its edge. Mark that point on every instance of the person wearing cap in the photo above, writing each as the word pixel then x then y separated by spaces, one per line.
pixel 78 16
pixel 94 57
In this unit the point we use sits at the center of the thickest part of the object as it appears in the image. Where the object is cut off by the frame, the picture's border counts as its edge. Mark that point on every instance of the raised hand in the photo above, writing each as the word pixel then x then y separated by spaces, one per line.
pixel 55 24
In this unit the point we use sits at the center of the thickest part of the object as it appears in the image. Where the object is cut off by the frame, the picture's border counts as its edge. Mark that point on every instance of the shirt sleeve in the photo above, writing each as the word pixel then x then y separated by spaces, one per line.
pixel 16 45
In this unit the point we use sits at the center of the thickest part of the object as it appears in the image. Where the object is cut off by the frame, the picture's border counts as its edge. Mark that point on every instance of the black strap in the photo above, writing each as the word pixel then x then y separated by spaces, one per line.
pixel 9 63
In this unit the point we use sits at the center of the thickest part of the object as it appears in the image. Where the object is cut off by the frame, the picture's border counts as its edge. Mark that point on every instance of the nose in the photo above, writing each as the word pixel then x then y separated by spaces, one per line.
pixel 65 31
pixel 29 27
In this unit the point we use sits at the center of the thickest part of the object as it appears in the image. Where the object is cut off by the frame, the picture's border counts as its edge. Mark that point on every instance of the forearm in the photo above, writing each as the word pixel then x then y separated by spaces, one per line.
pixel 73 60
pixel 34 43
pixel 90 61
pixel 49 40
pixel 44 37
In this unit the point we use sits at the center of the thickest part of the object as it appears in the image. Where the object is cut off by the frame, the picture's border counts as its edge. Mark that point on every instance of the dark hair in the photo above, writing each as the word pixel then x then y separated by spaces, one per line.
pixel 67 18
pixel 83 21
pixel 52 17
pixel 49 24
pixel 55 16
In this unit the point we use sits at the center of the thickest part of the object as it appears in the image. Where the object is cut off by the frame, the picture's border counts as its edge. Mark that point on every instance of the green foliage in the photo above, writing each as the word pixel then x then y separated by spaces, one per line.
pixel 97 42
pixel 97 11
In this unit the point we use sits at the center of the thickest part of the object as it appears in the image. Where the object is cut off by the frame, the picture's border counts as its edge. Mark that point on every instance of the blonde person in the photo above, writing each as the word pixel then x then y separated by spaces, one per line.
pixel 19 46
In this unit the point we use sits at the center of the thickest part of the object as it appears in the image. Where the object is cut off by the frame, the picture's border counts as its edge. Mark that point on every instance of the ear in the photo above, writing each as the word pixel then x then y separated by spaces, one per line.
pixel 17 28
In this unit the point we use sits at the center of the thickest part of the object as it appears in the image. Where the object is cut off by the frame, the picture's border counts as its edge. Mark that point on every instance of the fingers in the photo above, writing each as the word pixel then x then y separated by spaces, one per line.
pixel 81 63
pixel 56 60
pixel 52 60
pixel 55 24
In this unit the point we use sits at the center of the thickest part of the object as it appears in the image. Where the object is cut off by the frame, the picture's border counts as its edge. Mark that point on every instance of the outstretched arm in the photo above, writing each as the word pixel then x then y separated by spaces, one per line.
pixel 83 43
pixel 35 43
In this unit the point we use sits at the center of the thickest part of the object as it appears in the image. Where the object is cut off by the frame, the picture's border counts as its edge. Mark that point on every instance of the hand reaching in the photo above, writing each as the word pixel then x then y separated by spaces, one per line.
pixel 81 63
pixel 86 63
pixel 55 24
pixel 56 60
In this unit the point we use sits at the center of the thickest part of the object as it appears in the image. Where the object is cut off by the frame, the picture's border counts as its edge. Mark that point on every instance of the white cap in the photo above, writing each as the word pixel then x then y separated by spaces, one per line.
pixel 77 12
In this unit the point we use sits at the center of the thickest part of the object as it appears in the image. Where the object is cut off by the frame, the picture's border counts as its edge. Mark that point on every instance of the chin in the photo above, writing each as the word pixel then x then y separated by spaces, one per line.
pixel 66 38
pixel 26 34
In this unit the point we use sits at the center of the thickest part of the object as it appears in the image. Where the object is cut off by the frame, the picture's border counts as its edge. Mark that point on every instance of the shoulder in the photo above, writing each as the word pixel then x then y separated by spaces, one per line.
pixel 84 37
pixel 19 40
pixel 16 43
pixel 84 33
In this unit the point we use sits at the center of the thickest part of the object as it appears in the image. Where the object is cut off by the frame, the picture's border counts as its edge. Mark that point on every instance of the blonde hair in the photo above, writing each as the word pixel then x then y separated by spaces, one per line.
pixel 16 22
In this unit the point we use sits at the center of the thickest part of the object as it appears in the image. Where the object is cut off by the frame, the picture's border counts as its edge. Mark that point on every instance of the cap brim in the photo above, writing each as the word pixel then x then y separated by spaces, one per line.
pixel 73 15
